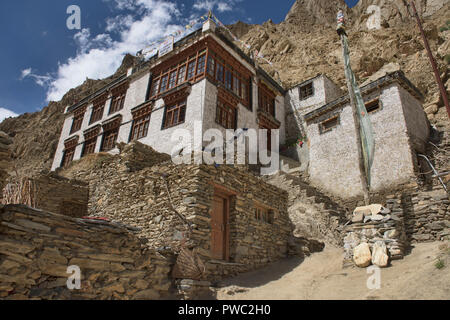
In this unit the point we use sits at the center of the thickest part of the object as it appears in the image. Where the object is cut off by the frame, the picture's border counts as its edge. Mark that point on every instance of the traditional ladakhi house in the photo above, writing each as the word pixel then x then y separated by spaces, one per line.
pixel 207 80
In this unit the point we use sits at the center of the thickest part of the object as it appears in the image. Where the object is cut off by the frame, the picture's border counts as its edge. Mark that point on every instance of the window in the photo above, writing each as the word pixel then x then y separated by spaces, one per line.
pixel 163 84
pixel 189 69
pixel 175 114
pixel 140 127
pixel 181 75
pixel 77 122
pixel 266 100
pixel 373 106
pixel 211 66
pixel 117 103
pixel 173 79
pixel 97 112
pixel 228 80
pixel 68 156
pixel 201 64
pixel 109 139
pixel 237 86
pixel 264 215
pixel 329 124
pixel 89 146
pixel 306 91
pixel 155 87
pixel 225 115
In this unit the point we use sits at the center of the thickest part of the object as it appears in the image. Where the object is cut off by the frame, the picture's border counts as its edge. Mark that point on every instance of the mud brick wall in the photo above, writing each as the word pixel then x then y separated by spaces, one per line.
pixel 62 196
pixel 390 230
pixel 36 247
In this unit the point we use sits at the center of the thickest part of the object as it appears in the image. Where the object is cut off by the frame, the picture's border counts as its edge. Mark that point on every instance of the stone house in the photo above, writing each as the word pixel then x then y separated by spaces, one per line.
pixel 237 221
pixel 401 131
pixel 205 81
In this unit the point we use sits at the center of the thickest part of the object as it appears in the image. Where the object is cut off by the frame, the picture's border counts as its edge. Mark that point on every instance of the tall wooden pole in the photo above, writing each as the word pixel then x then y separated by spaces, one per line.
pixel 432 60
pixel 362 169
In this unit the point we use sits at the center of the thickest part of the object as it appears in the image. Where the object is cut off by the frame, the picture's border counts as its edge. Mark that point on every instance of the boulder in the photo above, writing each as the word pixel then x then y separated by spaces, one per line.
pixel 362 256
pixel 380 257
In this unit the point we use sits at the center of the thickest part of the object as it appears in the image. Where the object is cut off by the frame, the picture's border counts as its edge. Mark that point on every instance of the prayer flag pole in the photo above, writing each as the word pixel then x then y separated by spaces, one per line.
pixel 364 134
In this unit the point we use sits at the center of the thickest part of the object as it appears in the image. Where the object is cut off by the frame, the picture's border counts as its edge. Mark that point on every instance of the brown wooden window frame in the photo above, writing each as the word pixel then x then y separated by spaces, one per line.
pixel 175 110
pixel 373 106
pixel 141 122
pixel 266 100
pixel 109 139
pixel 68 157
pixel 192 68
pixel 325 126
pixel 77 123
pixel 117 102
pixel 263 214
pixel 225 70
pixel 306 91
pixel 97 111
pixel 225 114
pixel 89 146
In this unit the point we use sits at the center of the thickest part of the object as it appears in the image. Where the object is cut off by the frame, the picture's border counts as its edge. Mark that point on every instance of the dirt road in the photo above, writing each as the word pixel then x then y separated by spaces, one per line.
pixel 321 276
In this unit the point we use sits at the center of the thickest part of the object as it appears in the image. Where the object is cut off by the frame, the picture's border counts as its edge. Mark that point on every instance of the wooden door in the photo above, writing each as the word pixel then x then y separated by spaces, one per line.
pixel 219 218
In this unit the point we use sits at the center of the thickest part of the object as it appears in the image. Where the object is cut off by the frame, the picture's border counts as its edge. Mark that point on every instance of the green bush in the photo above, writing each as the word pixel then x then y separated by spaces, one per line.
pixel 447 59
pixel 439 264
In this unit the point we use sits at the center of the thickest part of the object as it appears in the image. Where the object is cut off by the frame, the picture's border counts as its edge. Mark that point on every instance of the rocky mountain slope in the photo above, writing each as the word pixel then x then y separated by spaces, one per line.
pixel 36 134
pixel 302 46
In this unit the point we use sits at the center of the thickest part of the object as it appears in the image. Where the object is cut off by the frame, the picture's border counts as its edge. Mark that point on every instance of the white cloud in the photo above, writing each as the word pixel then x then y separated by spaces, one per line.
pixel 42 81
pixel 99 56
pixel 221 5
pixel 5 113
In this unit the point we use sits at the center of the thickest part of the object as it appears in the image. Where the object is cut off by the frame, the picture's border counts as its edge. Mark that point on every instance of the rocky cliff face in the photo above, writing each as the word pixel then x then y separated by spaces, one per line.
pixel 36 134
pixel 302 46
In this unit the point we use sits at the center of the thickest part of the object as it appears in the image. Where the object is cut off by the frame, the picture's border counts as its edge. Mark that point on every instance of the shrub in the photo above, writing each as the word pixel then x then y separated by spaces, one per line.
pixel 439 264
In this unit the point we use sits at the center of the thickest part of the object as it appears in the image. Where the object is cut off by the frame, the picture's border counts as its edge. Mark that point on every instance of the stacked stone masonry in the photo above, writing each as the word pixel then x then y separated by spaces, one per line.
pixel 36 249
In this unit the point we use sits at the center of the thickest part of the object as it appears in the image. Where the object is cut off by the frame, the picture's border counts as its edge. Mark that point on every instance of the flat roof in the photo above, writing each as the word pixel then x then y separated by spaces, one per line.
pixel 397 76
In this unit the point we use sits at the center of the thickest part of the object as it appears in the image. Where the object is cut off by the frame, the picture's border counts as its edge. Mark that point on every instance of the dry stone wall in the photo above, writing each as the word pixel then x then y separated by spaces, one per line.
pixel 37 247
pixel 5 158
pixel 146 199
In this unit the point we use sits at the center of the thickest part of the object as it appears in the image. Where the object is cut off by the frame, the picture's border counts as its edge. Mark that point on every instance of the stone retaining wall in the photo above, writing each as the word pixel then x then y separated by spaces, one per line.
pixel 390 230
pixel 62 196
pixel 144 198
pixel 37 247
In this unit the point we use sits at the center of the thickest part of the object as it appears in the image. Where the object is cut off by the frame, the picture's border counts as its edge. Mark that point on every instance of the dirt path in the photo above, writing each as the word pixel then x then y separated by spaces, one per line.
pixel 321 276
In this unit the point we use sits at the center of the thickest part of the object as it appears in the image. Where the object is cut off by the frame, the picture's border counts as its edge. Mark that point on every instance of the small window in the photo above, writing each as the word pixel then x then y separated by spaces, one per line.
pixel 306 91
pixel 201 64
pixel 68 157
pixel 373 106
pixel 97 112
pixel 76 124
pixel 181 74
pixel 109 139
pixel 117 103
pixel 329 124
pixel 140 128
pixel 225 115
pixel 89 146
pixel 175 114
pixel 264 215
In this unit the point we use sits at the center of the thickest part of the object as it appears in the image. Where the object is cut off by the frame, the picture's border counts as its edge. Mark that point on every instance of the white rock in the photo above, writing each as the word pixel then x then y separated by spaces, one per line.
pixel 362 256
pixel 379 254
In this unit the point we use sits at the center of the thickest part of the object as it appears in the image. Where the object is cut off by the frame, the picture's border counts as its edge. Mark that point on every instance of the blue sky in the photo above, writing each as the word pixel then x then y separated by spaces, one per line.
pixel 42 58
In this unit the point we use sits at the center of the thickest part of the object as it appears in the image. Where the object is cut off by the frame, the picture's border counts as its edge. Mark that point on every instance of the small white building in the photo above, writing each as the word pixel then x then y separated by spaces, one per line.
pixel 401 131
pixel 204 80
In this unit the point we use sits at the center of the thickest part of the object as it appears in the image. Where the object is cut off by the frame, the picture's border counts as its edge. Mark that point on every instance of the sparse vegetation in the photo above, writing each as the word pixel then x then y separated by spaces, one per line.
pixel 439 264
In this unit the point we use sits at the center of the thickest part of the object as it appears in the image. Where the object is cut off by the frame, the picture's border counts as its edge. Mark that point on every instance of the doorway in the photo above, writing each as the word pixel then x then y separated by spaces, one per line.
pixel 220 227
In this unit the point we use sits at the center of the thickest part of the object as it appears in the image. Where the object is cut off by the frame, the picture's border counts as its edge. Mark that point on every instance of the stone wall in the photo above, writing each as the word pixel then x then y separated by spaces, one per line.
pixel 37 247
pixel 62 196
pixel 427 215
pixel 388 229
pixel 143 199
